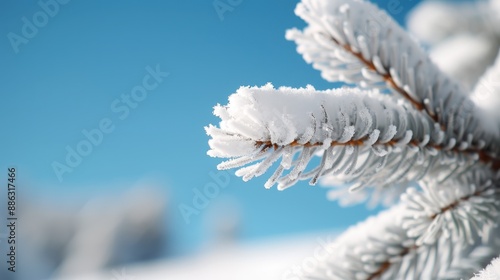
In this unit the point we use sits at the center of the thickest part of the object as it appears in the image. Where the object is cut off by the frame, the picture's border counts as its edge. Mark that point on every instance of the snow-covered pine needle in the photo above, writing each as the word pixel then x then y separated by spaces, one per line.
pixel 361 136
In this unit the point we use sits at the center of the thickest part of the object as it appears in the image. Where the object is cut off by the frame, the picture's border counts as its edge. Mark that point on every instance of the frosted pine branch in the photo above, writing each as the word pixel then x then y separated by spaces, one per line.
pixel 361 136
pixel 380 248
pixel 355 42
pixel 429 134
pixel 457 210
pixel 364 250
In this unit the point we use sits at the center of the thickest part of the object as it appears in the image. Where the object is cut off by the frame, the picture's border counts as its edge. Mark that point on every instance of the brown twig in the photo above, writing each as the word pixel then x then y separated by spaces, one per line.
pixel 387 264
pixel 485 158
pixel 457 202
pixel 387 78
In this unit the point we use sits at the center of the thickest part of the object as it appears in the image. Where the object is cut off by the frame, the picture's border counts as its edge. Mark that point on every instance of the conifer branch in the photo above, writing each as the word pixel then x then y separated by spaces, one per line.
pixel 459 208
pixel 369 49
pixel 429 134
pixel 384 247
pixel 363 137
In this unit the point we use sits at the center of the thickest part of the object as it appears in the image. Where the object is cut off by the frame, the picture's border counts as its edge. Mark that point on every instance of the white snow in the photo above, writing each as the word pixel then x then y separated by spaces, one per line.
pixel 492 271
pixel 264 260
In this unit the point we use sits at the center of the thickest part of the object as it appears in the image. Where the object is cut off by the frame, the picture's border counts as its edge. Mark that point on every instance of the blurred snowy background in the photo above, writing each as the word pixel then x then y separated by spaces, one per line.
pixel 103 109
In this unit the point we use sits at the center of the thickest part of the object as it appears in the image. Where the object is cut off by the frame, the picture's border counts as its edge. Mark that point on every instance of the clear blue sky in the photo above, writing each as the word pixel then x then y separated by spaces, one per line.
pixel 66 77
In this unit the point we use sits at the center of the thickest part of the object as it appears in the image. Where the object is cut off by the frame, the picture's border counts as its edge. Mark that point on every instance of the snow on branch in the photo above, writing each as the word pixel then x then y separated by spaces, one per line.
pixel 355 42
pixel 380 248
pixel 361 136
pixel 429 134
pixel 492 271
pixel 456 209
pixel 364 250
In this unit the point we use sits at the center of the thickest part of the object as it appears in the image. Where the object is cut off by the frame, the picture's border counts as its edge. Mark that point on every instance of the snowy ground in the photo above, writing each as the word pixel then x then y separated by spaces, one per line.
pixel 272 259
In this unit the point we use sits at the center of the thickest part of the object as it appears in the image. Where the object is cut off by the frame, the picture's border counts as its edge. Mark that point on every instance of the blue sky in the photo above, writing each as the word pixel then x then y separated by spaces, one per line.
pixel 67 76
